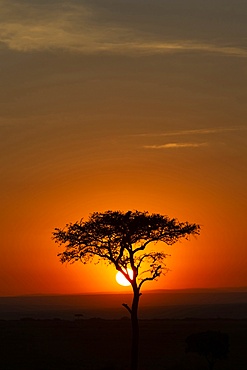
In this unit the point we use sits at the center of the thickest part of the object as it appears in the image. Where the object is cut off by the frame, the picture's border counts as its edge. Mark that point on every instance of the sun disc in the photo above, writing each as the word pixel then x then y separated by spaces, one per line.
pixel 121 279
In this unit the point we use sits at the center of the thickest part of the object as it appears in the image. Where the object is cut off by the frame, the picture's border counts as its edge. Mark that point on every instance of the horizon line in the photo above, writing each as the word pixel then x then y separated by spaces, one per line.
pixel 149 291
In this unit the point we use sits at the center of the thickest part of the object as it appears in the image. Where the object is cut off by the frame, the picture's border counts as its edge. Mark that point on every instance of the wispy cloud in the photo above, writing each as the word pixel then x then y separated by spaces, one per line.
pixel 203 131
pixel 191 133
pixel 26 27
pixel 187 45
pixel 175 145
pixel 77 28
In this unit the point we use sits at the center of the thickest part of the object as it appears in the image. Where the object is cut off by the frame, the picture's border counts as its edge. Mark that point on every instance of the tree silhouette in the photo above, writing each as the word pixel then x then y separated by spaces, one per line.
pixel 124 240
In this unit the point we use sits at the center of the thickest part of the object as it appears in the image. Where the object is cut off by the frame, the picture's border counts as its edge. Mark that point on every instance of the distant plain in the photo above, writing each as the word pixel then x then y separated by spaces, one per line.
pixel 93 332
pixel 161 304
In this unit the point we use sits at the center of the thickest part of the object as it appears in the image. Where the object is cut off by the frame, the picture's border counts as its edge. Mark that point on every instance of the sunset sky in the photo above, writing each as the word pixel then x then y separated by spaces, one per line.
pixel 122 105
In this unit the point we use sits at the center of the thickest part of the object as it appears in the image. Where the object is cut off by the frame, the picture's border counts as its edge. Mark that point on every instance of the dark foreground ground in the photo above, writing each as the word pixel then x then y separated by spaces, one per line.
pixel 97 344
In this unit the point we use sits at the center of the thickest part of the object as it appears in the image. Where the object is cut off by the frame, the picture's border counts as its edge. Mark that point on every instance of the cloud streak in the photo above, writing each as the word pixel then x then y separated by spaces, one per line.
pixel 175 145
pixel 188 46
pixel 195 132
pixel 204 131
pixel 78 28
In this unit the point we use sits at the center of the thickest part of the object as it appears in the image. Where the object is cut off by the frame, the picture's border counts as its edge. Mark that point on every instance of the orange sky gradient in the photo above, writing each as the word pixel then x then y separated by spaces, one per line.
pixel 118 107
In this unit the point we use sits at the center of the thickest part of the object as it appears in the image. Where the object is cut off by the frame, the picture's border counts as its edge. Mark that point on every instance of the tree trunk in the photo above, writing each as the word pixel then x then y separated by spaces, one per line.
pixel 135 330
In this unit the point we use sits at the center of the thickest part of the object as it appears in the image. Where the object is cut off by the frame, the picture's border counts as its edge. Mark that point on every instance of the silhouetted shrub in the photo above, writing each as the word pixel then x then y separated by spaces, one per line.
pixel 212 345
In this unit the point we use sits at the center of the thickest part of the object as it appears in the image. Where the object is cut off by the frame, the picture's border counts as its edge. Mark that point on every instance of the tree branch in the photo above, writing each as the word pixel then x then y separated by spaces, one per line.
pixel 127 307
pixel 156 274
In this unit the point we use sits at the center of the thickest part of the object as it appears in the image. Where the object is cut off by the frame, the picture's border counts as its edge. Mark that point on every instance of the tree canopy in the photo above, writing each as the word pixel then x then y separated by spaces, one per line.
pixel 122 239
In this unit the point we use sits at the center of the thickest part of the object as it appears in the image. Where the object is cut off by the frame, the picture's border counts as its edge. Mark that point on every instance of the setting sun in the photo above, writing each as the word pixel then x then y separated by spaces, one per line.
pixel 120 278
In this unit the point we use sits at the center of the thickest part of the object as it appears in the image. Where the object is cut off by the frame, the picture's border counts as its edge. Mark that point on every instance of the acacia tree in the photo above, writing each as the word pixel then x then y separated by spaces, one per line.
pixel 124 240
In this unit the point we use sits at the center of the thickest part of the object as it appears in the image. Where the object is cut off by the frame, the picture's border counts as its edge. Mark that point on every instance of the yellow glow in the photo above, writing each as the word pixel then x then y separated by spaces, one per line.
pixel 120 278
